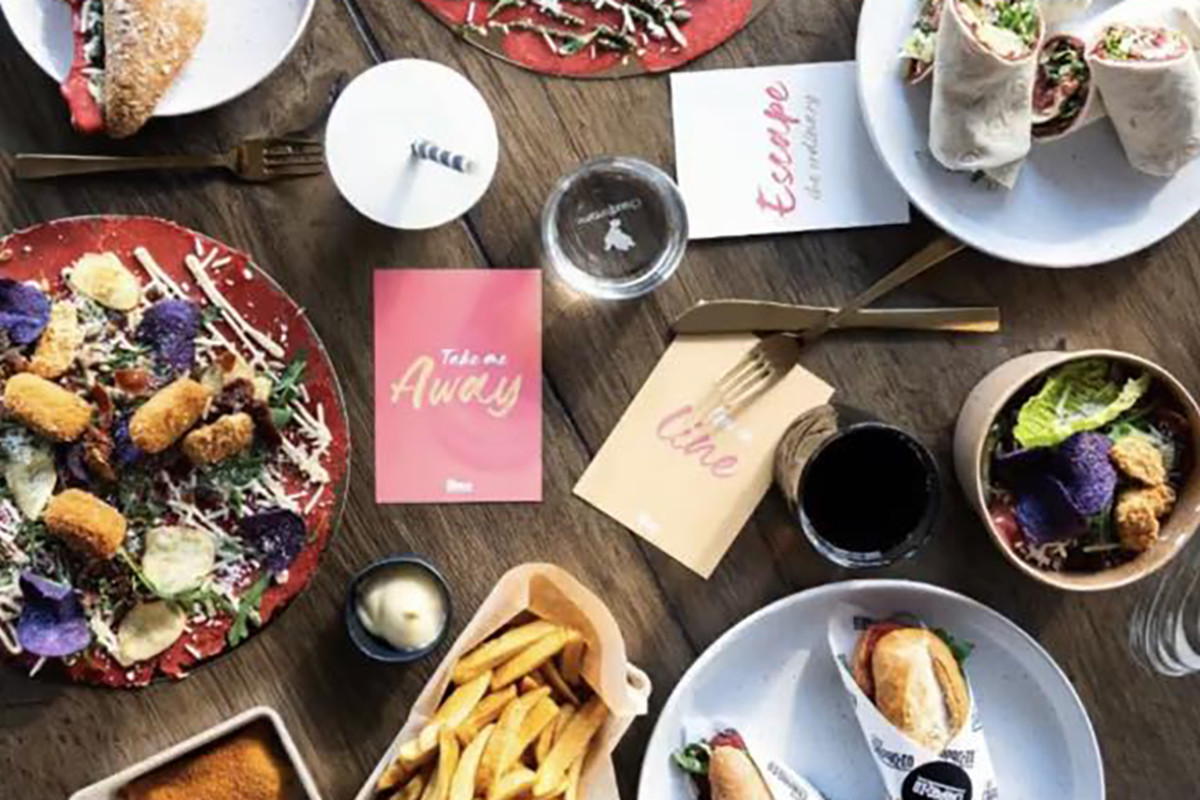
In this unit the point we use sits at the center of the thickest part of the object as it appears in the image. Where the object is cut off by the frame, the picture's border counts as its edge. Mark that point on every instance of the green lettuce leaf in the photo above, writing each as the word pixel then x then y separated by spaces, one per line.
pixel 1077 397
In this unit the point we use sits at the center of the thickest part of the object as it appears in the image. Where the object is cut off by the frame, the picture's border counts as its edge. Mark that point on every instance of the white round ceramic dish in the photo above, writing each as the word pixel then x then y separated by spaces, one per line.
pixel 244 41
pixel 1077 202
pixel 376 120
pixel 772 675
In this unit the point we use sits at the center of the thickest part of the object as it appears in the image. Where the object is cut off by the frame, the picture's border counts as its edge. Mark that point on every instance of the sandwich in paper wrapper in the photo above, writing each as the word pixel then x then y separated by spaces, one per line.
pixel 536 592
pixel 725 762
pixel 914 705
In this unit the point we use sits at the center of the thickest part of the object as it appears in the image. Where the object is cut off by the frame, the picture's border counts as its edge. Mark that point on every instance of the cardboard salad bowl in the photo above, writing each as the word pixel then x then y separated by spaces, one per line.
pixel 988 399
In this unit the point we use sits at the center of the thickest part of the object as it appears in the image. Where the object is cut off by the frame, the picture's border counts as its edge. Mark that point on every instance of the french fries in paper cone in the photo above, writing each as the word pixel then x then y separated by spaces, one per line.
pixel 529 703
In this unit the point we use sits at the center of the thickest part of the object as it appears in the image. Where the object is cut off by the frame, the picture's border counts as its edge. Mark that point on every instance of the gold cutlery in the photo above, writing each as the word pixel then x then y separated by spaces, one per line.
pixel 743 316
pixel 255 160
pixel 775 355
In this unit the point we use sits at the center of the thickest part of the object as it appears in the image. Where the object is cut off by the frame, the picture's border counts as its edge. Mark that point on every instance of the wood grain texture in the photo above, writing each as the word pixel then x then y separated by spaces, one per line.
pixel 345 710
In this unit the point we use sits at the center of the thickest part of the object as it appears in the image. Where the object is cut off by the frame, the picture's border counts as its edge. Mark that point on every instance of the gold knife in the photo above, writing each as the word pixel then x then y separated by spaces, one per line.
pixel 742 316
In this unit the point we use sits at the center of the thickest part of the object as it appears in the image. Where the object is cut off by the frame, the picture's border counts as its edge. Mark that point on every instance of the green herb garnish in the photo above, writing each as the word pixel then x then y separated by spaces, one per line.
pixel 1020 17
pixel 248 610
pixel 961 648
pixel 693 759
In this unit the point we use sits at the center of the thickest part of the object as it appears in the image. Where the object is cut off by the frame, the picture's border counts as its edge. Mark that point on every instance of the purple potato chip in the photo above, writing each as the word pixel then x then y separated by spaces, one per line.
pixel 1046 513
pixel 52 623
pixel 278 536
pixel 125 452
pixel 170 328
pixel 1087 472
pixel 24 311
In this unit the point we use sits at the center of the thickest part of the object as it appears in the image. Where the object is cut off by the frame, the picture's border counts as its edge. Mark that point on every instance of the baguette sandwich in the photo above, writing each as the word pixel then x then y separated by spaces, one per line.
pixel 722 769
pixel 127 53
pixel 914 679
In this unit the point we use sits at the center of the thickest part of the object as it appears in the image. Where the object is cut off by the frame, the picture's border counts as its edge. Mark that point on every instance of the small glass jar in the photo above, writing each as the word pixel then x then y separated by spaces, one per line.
pixel 616 228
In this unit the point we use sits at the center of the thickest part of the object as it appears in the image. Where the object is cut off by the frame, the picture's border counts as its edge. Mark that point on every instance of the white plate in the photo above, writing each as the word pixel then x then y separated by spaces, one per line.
pixel 244 41
pixel 1078 202
pixel 772 675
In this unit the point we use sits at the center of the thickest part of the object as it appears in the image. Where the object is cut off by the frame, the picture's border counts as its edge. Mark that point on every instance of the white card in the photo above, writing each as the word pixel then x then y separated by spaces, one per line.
pixel 778 150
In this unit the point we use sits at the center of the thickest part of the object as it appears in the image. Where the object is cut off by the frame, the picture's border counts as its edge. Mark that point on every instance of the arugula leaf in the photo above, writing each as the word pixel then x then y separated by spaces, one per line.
pixel 961 648
pixel 287 386
pixel 693 759
pixel 247 605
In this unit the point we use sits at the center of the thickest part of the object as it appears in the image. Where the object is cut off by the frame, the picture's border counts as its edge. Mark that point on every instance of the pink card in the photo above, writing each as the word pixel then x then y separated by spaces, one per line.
pixel 458 386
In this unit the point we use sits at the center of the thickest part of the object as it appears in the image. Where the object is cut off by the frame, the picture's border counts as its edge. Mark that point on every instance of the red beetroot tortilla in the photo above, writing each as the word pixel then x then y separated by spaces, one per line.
pixel 714 22
pixel 44 250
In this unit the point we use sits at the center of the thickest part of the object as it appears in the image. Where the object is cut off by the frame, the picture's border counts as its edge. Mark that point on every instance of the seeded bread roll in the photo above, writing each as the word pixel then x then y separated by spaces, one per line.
pixel 919 687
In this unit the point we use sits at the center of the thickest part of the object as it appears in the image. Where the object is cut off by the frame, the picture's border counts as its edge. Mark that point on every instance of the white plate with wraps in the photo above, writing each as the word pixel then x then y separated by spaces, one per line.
pixel 244 42
pixel 1077 201
pixel 772 675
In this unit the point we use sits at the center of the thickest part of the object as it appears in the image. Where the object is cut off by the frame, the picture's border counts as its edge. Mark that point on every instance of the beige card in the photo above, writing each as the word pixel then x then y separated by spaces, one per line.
pixel 689 492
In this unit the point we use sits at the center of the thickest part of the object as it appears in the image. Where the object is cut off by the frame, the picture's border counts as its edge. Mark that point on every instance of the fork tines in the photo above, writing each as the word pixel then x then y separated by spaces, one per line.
pixel 289 152
pixel 754 373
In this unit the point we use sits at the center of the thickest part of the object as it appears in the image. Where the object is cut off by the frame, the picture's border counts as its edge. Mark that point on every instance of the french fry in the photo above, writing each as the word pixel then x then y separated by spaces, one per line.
pixel 392 777
pixel 462 787
pixel 532 657
pixel 539 718
pixel 555 680
pixel 512 785
pixel 420 751
pixel 487 712
pixel 502 750
pixel 448 753
pixel 413 789
pixel 551 733
pixel 496 651
pixel 573 791
pixel 462 701
pixel 430 786
pixel 571 745
pixel 529 683
pixel 572 661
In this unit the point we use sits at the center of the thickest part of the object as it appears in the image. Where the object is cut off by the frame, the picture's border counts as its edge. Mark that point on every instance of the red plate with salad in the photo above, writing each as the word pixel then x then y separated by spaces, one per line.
pixel 173 446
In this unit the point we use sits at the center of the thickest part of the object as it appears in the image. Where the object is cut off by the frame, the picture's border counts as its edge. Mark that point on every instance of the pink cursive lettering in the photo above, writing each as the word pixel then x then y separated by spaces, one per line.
pixel 779 198
pixel 680 433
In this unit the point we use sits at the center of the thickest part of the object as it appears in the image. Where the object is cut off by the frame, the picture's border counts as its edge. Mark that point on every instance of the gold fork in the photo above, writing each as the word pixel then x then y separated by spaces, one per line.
pixel 256 160
pixel 774 356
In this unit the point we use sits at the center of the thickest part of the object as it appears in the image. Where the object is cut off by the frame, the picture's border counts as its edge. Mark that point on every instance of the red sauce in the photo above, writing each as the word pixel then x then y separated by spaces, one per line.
pixel 86 116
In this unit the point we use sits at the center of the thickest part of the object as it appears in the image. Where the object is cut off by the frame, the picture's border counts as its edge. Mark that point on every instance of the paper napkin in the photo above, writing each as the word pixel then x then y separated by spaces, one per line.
pixel 685 491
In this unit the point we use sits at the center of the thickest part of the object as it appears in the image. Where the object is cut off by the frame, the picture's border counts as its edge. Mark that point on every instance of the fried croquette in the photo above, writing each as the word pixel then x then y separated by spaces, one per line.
pixel 168 415
pixel 1140 460
pixel 46 407
pixel 86 523
pixel 56 349
pixel 229 435
pixel 1137 515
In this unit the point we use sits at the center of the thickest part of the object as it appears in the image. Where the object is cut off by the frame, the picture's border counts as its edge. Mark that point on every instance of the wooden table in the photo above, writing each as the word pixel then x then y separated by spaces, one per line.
pixel 343 709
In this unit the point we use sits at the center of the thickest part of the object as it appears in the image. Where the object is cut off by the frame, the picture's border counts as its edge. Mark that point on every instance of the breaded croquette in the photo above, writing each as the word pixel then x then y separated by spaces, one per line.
pixel 168 415
pixel 1140 460
pixel 86 523
pixel 56 349
pixel 1137 515
pixel 244 766
pixel 229 435
pixel 46 407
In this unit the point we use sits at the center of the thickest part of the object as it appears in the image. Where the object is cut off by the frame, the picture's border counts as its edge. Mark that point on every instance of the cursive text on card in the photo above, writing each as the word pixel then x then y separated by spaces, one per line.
pixel 680 432
pixel 425 386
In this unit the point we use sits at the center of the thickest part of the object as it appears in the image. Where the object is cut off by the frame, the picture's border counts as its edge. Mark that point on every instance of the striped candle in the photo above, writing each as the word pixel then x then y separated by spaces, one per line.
pixel 425 149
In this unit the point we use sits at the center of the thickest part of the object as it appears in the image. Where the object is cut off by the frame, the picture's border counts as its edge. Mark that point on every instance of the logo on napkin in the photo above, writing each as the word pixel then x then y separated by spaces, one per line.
pixel 687 488
pixel 777 150
pixel 458 392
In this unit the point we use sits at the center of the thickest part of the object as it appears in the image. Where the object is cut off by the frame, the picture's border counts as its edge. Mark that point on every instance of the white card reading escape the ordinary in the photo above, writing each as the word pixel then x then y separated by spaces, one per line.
pixel 778 150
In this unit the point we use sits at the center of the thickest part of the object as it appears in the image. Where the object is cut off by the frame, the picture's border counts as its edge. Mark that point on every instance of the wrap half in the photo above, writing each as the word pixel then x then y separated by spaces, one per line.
pixel 1150 79
pixel 1064 97
pixel 920 46
pixel 981 116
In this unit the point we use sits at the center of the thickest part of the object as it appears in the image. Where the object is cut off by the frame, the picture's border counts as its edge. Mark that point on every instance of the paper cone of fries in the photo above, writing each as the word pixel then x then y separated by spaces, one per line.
pixel 942 753
pixel 530 702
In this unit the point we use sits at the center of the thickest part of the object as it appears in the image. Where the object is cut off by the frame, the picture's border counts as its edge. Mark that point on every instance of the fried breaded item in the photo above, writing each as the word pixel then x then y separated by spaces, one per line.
pixel 1140 460
pixel 86 523
pixel 1138 512
pixel 243 767
pixel 229 435
pixel 168 415
pixel 59 342
pixel 46 407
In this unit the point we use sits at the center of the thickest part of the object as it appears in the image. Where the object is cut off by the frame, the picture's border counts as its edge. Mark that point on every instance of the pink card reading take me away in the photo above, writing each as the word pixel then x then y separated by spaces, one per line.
pixel 458 386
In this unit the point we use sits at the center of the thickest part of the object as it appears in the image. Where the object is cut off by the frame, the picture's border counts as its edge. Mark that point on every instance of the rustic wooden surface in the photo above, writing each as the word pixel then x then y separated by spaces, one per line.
pixel 344 710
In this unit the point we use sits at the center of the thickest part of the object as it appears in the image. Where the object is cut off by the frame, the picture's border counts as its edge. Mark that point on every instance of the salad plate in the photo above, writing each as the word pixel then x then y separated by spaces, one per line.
pixel 243 44
pixel 174 450
pixel 772 676
pixel 1077 201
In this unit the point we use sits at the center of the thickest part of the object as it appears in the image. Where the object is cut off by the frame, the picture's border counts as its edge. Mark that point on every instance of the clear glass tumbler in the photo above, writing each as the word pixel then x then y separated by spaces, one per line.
pixel 1164 630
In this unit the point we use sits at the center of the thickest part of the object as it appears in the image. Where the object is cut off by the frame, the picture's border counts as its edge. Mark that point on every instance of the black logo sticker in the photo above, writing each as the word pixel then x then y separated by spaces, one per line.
pixel 937 780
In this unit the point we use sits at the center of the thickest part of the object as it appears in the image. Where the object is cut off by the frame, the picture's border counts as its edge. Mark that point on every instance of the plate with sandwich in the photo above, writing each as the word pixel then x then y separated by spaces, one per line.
pixel 121 62
pixel 1055 133
pixel 868 689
